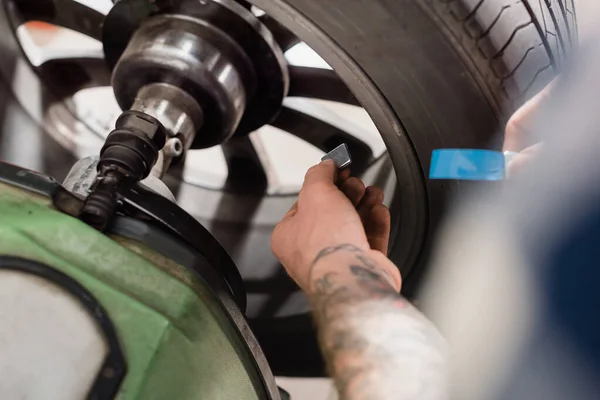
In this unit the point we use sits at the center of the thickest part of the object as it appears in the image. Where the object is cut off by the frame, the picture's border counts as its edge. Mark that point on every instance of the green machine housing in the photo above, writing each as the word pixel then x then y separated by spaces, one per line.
pixel 166 333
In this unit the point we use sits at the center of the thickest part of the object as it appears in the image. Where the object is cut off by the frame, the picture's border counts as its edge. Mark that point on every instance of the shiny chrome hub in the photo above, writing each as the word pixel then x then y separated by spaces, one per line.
pixel 217 52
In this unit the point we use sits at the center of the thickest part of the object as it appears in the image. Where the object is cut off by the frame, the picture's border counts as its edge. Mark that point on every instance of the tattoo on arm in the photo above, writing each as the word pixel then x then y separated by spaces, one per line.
pixel 376 345
pixel 334 249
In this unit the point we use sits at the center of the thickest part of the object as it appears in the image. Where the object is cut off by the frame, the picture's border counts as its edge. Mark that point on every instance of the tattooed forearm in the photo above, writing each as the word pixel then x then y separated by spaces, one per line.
pixel 377 346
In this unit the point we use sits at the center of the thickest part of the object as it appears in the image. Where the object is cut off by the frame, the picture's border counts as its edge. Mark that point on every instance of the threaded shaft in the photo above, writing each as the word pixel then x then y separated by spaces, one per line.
pixel 101 204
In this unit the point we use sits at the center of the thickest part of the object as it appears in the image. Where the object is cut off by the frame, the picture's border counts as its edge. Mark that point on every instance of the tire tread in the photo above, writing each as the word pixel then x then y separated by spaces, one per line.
pixel 514 46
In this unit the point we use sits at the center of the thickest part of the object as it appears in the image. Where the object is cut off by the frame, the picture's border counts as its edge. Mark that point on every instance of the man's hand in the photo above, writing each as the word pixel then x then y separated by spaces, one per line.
pixel 326 216
pixel 332 242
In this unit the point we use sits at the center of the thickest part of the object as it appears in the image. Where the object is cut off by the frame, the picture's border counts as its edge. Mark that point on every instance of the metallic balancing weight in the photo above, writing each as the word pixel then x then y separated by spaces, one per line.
pixel 340 155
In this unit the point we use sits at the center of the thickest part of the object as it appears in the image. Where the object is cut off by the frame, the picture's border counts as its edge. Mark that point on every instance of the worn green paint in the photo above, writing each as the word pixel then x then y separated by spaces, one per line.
pixel 175 344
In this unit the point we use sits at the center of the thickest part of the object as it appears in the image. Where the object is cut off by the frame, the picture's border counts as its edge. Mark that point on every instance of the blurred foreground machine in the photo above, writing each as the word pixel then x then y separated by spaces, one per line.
pixel 126 295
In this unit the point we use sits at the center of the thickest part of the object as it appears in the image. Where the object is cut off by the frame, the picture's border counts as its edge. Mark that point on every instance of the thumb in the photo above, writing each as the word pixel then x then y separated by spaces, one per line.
pixel 325 172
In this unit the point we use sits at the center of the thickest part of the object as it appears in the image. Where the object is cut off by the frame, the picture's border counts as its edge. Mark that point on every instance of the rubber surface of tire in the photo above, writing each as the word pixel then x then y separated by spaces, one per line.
pixel 514 46
pixel 451 70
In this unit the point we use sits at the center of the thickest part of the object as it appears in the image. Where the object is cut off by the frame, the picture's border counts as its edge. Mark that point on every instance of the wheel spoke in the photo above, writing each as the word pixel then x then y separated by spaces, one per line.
pixel 64 13
pixel 319 83
pixel 324 136
pixel 247 177
pixel 283 36
pixel 244 4
pixel 246 173
pixel 67 76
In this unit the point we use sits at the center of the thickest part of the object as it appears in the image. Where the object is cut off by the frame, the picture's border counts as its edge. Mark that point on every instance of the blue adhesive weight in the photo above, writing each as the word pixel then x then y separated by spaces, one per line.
pixel 467 164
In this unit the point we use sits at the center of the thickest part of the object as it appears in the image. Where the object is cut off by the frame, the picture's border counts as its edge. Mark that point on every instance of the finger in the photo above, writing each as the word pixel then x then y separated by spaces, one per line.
pixel 519 129
pixel 344 174
pixel 377 228
pixel 325 172
pixel 523 159
pixel 354 189
pixel 373 195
